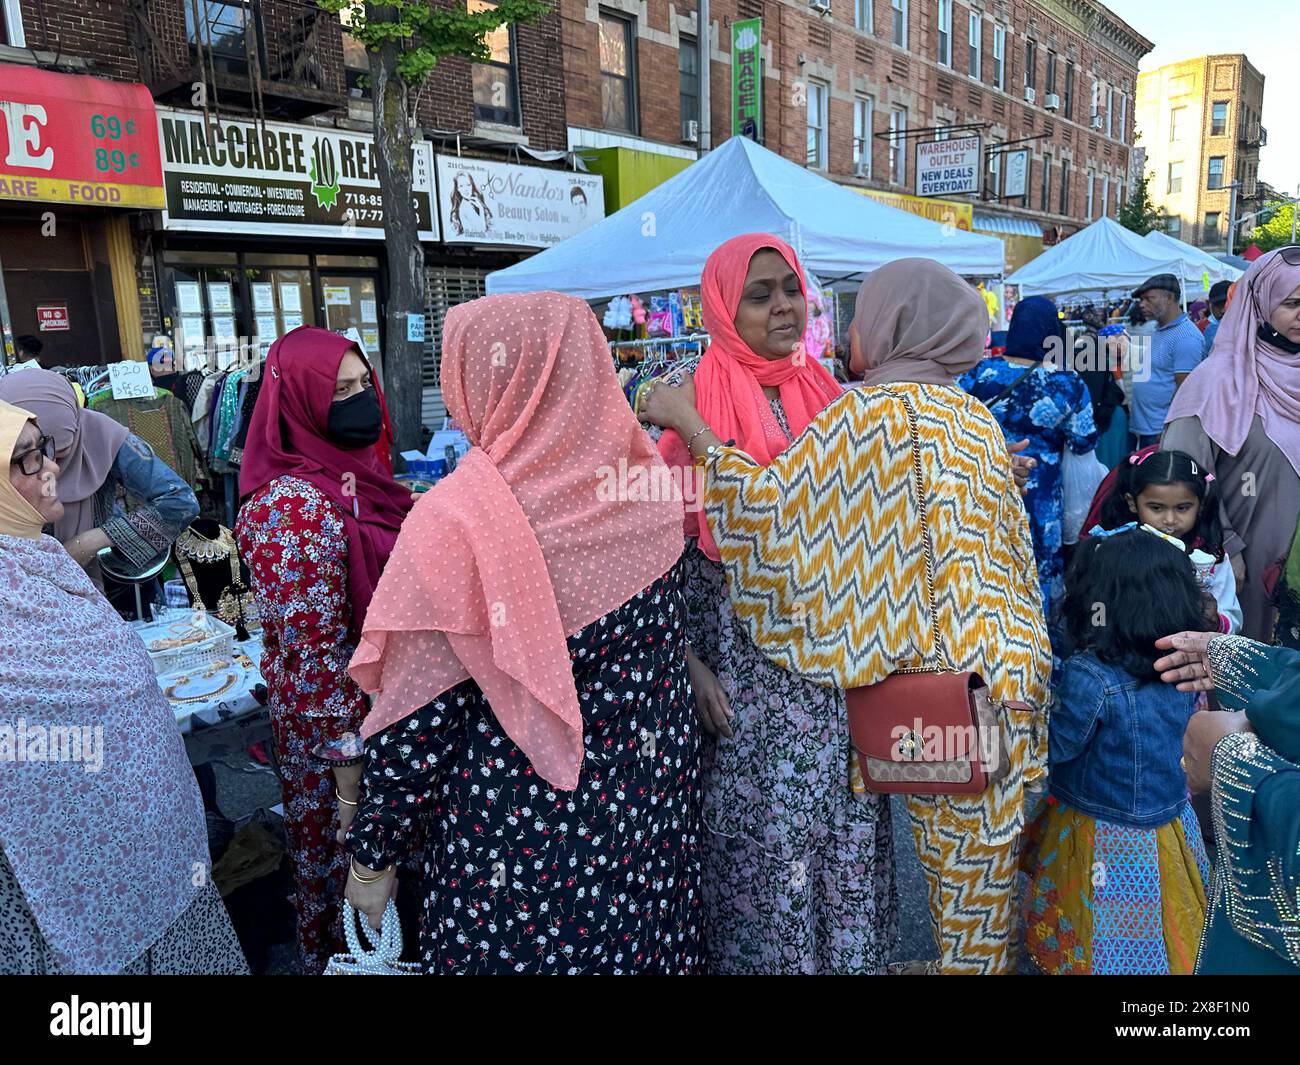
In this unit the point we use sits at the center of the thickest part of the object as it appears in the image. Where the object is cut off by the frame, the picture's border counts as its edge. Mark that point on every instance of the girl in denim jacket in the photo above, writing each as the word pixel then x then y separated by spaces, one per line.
pixel 1116 863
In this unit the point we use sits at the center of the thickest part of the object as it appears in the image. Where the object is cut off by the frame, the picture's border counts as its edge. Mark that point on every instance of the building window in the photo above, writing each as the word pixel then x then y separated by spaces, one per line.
pixel 1119 198
pixel 975 35
pixel 1000 56
pixel 898 146
pixel 1031 61
pixel 1177 118
pixel 1219 118
pixel 1067 104
pixel 1065 187
pixel 496 83
pixel 898 13
pixel 1174 227
pixel 223 27
pixel 864 17
pixel 11 25
pixel 862 136
pixel 688 85
pixel 617 73
pixel 1045 202
pixel 1211 230
pixel 1175 178
pixel 995 176
pixel 1051 73
pixel 817 103
pixel 356 64
pixel 1090 214
pixel 1216 172
pixel 945 31
pixel 1105 196
pixel 1123 118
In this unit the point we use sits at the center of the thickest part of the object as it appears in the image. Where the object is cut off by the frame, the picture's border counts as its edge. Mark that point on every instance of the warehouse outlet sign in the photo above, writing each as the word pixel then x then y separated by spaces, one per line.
pixel 949 167
pixel 235 176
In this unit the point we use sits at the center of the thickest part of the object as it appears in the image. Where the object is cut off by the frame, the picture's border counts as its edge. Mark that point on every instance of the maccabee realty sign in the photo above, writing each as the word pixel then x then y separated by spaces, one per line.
pixel 945 168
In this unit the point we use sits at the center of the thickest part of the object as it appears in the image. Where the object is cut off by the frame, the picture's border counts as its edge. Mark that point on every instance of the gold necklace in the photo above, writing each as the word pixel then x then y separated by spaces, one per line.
pixel 235 600
pixel 230 680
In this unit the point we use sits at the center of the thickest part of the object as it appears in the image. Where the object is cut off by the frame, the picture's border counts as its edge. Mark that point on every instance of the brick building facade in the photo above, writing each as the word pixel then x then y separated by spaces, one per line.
pixel 837 70
pixel 307 76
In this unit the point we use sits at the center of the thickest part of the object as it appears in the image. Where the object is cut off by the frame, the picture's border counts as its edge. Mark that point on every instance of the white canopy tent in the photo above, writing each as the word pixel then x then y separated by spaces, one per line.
pixel 661 240
pixel 1196 265
pixel 1103 257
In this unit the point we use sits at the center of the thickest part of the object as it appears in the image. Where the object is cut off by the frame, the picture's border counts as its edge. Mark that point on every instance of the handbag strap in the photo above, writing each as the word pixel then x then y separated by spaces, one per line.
pixel 940 654
pixel 1011 387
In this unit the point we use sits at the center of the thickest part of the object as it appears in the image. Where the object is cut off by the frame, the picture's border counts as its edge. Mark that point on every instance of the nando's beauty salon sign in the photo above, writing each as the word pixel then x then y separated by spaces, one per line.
pixel 233 175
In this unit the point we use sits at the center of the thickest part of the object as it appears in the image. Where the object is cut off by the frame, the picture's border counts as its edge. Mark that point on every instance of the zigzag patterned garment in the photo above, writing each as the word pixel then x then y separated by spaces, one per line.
pixel 826 569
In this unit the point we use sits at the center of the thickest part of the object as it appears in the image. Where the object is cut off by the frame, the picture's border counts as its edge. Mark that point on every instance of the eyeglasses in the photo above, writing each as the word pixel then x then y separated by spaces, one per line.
pixel 32 461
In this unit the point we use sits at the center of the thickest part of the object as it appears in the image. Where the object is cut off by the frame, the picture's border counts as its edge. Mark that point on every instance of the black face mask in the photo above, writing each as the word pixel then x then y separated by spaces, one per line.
pixel 355 422
pixel 1269 335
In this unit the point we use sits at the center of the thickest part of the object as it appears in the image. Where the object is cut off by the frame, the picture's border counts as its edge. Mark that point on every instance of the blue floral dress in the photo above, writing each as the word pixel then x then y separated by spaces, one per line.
pixel 1052 410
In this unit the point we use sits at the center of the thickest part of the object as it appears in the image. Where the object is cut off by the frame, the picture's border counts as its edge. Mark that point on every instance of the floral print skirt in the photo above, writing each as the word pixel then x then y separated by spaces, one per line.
pixel 798 870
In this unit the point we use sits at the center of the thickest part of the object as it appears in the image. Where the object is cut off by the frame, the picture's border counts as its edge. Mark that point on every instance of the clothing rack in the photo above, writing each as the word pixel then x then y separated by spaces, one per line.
pixel 700 339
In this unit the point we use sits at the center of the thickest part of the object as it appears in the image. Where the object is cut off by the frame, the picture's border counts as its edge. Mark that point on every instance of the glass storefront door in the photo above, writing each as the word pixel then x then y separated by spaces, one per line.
pixel 351 302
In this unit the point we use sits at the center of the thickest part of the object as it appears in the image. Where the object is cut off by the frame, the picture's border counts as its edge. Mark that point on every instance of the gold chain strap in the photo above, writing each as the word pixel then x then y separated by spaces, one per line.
pixel 942 662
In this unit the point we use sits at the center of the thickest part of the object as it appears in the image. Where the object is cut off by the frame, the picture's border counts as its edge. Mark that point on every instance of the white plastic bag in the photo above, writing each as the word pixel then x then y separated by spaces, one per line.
pixel 1081 476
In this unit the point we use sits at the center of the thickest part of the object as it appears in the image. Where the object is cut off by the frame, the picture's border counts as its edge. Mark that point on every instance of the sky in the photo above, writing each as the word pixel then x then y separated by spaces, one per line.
pixel 1265 30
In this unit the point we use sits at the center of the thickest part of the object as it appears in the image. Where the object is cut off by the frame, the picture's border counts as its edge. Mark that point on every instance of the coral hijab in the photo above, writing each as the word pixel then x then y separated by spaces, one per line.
pixel 730 378
pixel 524 544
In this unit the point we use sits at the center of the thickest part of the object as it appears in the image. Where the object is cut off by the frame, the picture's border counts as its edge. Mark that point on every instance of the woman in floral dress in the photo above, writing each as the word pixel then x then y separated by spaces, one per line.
pixel 798 869
pixel 320 517
pixel 526 653
pixel 1050 407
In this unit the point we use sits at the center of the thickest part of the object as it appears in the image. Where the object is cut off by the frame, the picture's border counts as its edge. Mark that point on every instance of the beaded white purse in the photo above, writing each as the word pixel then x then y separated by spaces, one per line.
pixel 384 957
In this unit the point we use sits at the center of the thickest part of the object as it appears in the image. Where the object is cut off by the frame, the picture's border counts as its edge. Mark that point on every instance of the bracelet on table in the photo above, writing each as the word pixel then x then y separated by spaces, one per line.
pixel 352 867
pixel 346 802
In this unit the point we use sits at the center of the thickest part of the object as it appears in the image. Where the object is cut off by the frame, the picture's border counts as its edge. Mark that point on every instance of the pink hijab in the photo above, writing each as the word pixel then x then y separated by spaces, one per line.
pixel 533 537
pixel 730 378
pixel 1245 376
pixel 91 439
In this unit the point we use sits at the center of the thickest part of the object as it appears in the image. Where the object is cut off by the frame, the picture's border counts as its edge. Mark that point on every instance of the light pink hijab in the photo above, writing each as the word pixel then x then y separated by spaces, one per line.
pixel 1244 376
pixel 523 545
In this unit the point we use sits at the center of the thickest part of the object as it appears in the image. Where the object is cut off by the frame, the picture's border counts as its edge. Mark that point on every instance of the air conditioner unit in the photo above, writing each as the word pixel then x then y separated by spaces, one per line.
pixel 1096 121
pixel 822 7
pixel 691 131
pixel 1053 102
pixel 862 169
pixel 1030 94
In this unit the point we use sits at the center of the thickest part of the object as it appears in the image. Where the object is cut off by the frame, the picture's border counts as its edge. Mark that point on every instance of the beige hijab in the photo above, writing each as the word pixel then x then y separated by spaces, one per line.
pixel 17 516
pixel 918 321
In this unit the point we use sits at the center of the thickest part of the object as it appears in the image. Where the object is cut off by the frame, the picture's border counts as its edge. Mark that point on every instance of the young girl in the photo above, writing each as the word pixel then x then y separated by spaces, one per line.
pixel 1174 494
pixel 1117 868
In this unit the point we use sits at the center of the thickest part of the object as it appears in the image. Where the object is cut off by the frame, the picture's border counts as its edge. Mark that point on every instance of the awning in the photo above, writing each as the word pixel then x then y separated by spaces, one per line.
pixel 1012 227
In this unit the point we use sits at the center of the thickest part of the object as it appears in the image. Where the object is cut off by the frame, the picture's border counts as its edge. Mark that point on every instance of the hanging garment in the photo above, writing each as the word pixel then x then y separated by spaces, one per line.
pixel 165 425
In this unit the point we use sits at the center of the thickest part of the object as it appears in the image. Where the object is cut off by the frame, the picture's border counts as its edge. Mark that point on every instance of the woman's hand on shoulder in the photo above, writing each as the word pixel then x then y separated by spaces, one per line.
pixel 1189 665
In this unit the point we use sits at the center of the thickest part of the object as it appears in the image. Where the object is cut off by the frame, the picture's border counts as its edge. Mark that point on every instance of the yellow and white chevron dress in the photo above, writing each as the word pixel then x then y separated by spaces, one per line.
pixel 825 568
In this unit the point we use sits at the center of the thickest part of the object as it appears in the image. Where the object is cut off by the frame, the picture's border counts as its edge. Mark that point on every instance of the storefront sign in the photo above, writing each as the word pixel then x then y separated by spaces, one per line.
pixel 945 212
pixel 1016 182
pixel 747 78
pixel 946 168
pixel 52 317
pixel 484 202
pixel 238 176
pixel 68 138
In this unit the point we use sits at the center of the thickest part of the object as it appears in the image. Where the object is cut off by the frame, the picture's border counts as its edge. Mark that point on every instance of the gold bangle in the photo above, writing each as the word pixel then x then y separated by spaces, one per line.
pixel 346 802
pixel 352 867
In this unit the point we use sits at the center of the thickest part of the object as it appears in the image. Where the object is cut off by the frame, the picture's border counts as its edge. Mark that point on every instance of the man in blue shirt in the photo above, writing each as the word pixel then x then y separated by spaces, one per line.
pixel 1218 308
pixel 1175 351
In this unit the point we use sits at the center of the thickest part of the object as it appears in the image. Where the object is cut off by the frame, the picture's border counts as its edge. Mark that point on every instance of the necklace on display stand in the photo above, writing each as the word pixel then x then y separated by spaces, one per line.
pixel 235 601
pixel 190 687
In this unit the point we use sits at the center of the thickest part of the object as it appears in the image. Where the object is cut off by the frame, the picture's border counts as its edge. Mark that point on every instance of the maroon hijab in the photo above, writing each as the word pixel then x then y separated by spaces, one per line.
pixel 287 438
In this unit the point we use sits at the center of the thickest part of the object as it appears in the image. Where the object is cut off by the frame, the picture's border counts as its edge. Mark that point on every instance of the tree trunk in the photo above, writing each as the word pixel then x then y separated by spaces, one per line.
pixel 402 358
